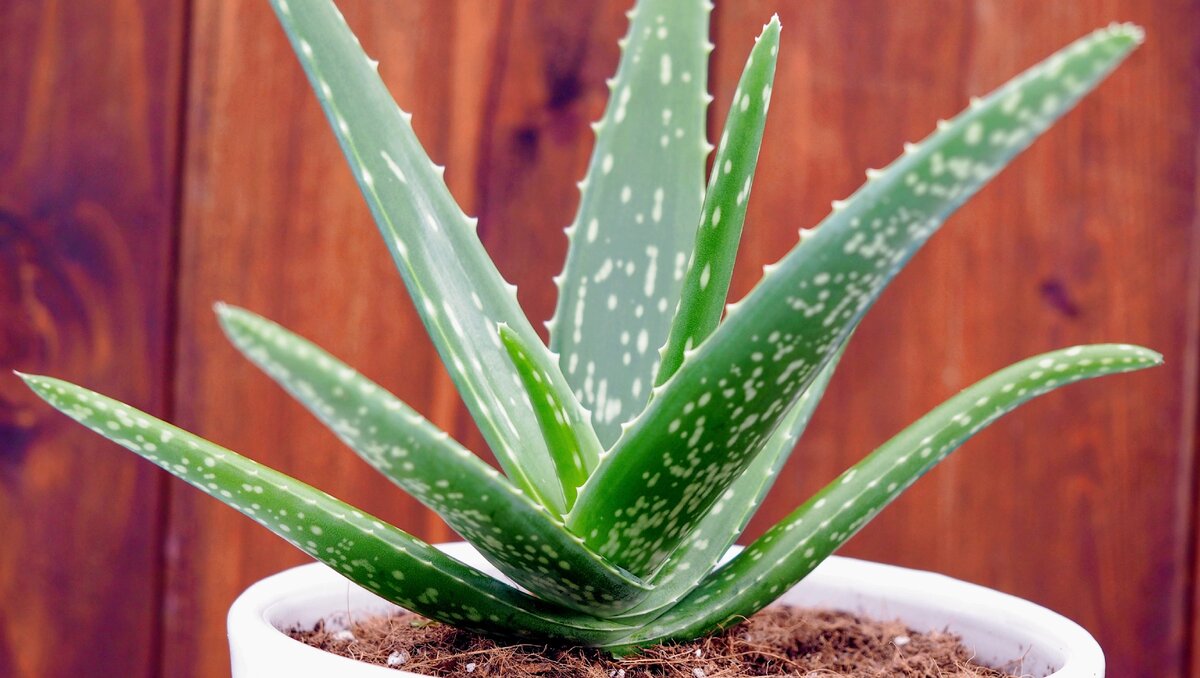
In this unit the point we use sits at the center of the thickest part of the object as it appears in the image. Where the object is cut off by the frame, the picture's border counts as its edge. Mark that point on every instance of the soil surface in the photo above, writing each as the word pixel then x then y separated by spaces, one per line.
pixel 779 641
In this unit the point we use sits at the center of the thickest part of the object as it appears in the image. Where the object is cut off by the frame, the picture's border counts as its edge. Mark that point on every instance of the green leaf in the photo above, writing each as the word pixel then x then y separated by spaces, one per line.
pixel 720 408
pixel 792 548
pixel 700 552
pixel 572 441
pixel 377 556
pixel 518 536
pixel 454 284
pixel 637 217
pixel 711 265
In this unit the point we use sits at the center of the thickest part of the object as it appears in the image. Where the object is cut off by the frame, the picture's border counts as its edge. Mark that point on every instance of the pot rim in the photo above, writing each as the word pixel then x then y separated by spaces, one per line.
pixel 304 594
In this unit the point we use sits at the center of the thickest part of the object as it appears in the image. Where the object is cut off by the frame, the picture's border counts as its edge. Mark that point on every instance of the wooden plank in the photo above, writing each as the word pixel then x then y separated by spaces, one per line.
pixel 274 222
pixel 89 96
pixel 1075 501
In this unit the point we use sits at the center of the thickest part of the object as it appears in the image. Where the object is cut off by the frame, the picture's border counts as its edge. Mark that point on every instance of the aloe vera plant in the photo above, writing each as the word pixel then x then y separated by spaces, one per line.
pixel 627 472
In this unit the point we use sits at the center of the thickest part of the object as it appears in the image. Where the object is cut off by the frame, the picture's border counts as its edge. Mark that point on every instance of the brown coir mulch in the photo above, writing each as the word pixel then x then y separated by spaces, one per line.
pixel 779 641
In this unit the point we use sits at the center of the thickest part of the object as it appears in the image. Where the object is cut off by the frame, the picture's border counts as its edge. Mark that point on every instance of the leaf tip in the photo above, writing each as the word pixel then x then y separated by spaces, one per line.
pixel 1126 29
pixel 771 29
pixel 36 383
pixel 1154 358
pixel 229 315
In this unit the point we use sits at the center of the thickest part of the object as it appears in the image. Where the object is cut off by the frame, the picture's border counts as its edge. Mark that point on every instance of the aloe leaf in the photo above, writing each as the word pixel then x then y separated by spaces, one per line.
pixel 572 443
pixel 377 556
pixel 518 536
pixel 710 268
pixel 792 548
pixel 637 217
pixel 456 288
pixel 700 552
pixel 719 409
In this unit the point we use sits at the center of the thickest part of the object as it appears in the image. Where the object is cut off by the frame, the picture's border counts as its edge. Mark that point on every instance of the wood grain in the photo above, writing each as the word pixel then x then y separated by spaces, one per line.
pixel 1073 502
pixel 89 96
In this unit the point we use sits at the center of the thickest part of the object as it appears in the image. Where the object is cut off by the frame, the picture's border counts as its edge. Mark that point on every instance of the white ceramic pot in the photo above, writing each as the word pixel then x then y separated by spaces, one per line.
pixel 997 627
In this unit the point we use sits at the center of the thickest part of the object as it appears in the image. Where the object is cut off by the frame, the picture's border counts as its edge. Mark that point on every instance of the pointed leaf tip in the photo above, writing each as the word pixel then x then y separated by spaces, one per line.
pixel 707 275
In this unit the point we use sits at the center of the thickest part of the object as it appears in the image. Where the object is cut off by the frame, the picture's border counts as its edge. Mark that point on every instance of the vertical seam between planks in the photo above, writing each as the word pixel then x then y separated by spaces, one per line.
pixel 1189 523
pixel 170 331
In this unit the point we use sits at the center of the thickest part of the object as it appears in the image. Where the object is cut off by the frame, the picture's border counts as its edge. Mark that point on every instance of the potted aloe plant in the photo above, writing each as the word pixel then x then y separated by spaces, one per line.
pixel 636 446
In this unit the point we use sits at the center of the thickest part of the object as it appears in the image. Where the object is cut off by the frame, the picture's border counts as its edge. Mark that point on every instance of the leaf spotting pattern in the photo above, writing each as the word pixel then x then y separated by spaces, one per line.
pixel 710 266
pixel 453 282
pixel 518 536
pixel 796 545
pixel 707 422
pixel 376 556
pixel 637 214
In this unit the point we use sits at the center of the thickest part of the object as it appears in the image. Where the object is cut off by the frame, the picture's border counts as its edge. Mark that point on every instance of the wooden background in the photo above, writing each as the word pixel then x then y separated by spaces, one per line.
pixel 159 155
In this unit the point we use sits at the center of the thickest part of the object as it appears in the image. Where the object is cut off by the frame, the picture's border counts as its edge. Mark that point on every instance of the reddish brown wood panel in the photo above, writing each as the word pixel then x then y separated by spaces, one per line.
pixel 1075 501
pixel 89 98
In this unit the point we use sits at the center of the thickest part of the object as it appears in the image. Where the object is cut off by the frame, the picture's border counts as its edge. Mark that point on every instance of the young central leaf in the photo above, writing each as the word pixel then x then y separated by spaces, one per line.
pixel 637 215
pixel 711 264
pixel 572 442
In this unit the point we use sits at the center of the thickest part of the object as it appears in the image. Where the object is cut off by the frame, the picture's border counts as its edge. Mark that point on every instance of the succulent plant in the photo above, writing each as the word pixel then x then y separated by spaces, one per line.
pixel 628 473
